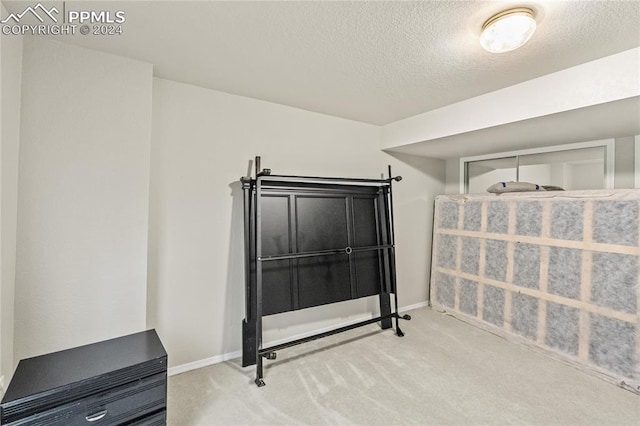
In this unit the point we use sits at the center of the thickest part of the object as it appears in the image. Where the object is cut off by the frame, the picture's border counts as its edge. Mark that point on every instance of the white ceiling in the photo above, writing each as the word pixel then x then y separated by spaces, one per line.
pixel 375 62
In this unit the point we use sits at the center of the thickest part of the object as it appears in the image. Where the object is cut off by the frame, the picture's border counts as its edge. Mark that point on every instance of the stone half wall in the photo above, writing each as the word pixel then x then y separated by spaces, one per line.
pixel 555 270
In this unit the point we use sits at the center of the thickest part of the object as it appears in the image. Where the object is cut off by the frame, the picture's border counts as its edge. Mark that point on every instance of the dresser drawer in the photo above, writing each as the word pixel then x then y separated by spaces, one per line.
pixel 115 406
pixel 158 419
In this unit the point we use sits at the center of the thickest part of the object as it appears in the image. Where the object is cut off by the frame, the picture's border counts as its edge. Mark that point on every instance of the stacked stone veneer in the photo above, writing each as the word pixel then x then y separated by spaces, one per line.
pixel 556 270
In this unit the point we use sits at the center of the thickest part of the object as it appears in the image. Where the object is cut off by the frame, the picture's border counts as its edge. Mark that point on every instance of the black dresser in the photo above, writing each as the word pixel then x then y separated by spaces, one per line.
pixel 115 382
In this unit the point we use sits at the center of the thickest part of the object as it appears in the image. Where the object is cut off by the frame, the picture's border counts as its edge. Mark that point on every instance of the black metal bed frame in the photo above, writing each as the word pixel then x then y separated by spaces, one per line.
pixel 253 350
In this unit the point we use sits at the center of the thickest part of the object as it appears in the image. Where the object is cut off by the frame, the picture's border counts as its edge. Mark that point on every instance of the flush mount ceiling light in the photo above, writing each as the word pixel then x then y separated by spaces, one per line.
pixel 508 30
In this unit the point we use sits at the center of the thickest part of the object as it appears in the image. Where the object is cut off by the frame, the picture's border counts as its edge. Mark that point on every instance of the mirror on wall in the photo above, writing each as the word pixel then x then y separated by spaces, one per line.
pixel 482 174
pixel 570 170
pixel 567 168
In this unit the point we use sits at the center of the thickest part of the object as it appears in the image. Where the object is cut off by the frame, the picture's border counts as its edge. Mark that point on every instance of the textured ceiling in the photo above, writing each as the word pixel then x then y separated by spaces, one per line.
pixel 375 62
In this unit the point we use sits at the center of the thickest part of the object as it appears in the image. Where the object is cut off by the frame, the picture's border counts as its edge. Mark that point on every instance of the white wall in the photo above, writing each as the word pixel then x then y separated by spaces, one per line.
pixel 452 179
pixel 202 142
pixel 624 163
pixel 10 85
pixel 637 165
pixel 559 173
pixel 83 197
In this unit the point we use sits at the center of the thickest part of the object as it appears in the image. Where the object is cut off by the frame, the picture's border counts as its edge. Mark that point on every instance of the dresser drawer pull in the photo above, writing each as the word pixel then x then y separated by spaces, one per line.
pixel 97 416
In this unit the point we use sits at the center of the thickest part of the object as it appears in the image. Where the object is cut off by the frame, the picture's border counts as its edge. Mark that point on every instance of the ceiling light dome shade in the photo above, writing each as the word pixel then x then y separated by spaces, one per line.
pixel 508 30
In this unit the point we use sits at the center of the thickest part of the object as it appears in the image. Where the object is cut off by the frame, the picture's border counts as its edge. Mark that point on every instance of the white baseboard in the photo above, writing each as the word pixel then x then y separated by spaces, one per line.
pixel 183 368
pixel 203 363
pixel 414 306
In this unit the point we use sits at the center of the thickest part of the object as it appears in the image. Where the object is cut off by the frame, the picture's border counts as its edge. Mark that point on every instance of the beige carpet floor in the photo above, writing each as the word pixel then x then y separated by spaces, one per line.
pixel 443 372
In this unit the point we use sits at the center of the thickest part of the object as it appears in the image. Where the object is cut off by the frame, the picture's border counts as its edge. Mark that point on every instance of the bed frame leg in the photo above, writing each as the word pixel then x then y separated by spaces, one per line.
pixel 258 381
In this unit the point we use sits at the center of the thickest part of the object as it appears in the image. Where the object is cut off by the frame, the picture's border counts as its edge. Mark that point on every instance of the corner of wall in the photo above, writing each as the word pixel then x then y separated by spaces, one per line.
pixel 432 167
pixel 452 182
pixel 92 260
pixel 11 48
pixel 1 280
